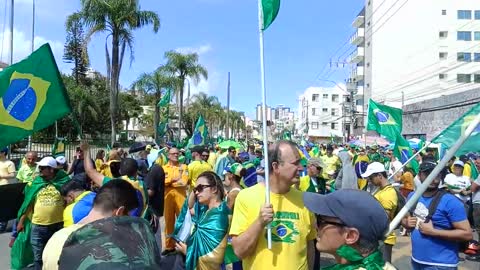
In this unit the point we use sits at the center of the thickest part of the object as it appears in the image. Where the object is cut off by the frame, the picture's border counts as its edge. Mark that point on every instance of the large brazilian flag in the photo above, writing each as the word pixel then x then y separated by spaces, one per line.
pixel 32 96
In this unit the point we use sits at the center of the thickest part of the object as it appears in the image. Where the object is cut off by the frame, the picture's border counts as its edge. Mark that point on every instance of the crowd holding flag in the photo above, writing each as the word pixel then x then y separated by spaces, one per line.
pixel 164 106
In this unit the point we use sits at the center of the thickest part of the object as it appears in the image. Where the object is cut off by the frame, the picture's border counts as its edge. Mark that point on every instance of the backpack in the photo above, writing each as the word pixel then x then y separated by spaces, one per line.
pixel 401 201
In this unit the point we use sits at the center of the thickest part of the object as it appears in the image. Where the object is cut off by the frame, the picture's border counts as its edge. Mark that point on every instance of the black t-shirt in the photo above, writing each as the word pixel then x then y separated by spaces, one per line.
pixel 155 181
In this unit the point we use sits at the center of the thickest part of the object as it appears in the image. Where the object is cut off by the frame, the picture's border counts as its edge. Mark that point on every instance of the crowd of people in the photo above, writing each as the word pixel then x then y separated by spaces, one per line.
pixel 334 199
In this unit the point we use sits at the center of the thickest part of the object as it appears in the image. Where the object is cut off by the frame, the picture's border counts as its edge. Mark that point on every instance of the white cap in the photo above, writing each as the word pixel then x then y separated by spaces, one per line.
pixel 61 160
pixel 47 162
pixel 375 167
pixel 459 163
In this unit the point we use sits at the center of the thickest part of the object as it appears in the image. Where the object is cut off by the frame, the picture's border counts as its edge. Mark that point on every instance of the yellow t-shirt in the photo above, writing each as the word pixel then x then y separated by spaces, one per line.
pixel 292 227
pixel 54 247
pixel 98 165
pixel 172 172
pixel 331 165
pixel 387 197
pixel 6 167
pixel 26 174
pixel 212 159
pixel 49 206
pixel 196 168
pixel 467 171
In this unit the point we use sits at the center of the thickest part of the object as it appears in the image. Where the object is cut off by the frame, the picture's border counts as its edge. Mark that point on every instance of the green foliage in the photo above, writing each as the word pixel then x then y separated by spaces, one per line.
pixel 75 50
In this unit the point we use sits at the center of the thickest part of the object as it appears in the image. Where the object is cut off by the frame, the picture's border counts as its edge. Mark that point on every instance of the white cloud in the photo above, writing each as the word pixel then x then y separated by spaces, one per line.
pixel 201 50
pixel 22 46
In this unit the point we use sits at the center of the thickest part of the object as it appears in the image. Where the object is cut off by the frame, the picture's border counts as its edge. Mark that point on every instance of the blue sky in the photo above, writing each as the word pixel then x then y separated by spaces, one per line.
pixel 224 32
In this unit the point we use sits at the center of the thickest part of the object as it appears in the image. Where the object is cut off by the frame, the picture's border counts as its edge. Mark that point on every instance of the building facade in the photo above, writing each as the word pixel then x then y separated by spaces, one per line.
pixel 412 51
pixel 323 113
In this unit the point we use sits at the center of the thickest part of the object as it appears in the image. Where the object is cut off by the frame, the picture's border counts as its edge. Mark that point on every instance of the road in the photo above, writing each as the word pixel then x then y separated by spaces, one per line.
pixel 401 255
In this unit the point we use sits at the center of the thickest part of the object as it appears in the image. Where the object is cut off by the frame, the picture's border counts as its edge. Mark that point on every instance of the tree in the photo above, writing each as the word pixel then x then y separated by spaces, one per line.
pixel 184 66
pixel 128 108
pixel 75 50
pixel 155 82
pixel 118 19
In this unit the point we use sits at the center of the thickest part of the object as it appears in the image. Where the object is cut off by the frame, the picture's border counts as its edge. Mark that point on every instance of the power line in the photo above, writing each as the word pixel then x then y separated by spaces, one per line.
pixel 445 107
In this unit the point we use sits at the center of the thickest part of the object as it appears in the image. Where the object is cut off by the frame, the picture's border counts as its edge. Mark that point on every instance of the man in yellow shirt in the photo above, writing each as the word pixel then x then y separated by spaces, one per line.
pixel 26 173
pixel 293 226
pixel 197 166
pixel 332 163
pixel 387 196
pixel 176 180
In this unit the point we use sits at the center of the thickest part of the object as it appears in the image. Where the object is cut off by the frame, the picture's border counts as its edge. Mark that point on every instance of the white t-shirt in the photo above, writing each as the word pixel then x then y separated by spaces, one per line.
pixel 456 184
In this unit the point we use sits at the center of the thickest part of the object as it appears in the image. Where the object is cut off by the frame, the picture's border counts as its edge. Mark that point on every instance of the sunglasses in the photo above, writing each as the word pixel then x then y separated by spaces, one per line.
pixel 201 187
pixel 322 222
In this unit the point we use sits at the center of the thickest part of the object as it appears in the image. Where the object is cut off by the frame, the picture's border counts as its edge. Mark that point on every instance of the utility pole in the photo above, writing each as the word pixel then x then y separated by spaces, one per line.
pixel 227 131
pixel 403 99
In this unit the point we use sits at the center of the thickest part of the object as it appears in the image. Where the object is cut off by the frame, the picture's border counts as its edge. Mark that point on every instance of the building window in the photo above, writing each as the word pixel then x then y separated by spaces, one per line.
pixel 315 97
pixel 476 78
pixel 335 98
pixel 464 14
pixel 359 102
pixel 333 125
pixel 325 110
pixel 476 35
pixel 464 78
pixel 464 35
pixel 477 14
pixel 442 55
pixel 443 34
pixel 476 57
pixel 314 111
pixel 314 125
pixel 325 96
pixel 442 76
pixel 334 112
pixel 464 57
pixel 444 12
pixel 324 123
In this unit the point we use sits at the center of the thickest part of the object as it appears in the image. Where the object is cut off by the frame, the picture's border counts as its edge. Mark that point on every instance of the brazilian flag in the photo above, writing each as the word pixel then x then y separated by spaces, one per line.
pixel 403 152
pixel 32 96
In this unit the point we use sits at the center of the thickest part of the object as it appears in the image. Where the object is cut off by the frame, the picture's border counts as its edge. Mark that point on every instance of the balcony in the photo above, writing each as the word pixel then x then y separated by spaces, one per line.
pixel 358 55
pixel 359 91
pixel 358 37
pixel 357 74
pixel 359 21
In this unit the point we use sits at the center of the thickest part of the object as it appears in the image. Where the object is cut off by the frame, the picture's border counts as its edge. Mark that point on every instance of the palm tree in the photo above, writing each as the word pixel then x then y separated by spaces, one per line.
pixel 118 19
pixel 155 82
pixel 184 66
pixel 85 106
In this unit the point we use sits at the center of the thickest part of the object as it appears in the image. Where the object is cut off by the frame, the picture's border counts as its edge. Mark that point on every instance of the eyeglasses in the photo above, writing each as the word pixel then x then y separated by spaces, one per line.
pixel 322 222
pixel 201 187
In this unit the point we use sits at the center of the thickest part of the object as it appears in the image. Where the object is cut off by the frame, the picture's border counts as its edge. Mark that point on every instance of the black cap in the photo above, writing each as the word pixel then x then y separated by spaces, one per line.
pixel 355 208
pixel 427 166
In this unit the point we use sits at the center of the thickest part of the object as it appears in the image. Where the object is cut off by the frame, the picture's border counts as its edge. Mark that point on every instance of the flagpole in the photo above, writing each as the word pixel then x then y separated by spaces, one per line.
pixel 32 49
pixel 264 124
pixel 419 192
pixel 410 159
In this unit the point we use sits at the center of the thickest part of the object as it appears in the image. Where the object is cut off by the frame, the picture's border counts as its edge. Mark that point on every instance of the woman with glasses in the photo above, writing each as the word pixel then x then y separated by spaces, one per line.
pixel 205 248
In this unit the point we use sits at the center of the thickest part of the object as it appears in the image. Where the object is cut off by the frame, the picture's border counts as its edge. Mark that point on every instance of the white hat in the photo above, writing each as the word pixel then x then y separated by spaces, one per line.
pixel 459 163
pixel 47 162
pixel 375 167
pixel 61 160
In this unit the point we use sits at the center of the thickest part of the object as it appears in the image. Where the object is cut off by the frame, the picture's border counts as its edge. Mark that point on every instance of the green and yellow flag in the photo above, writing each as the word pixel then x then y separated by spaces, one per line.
pixel 200 134
pixel 58 148
pixel 385 120
pixel 403 152
pixel 450 135
pixel 32 96
pixel 270 10
pixel 164 105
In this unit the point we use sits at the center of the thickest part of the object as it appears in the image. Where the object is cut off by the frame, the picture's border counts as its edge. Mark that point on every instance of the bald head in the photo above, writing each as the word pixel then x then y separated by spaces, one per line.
pixel 278 150
pixel 31 158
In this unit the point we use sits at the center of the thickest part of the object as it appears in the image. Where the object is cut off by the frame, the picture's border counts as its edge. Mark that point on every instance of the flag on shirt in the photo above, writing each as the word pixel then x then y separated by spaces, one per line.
pixel 385 120
pixel 450 135
pixel 32 96
pixel 270 10
pixel 403 152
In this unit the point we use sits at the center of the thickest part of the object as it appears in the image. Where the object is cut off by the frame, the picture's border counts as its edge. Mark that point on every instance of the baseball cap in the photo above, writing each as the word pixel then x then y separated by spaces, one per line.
pixel 459 163
pixel 375 167
pixel 244 156
pixel 355 208
pixel 47 162
pixel 235 169
pixel 61 160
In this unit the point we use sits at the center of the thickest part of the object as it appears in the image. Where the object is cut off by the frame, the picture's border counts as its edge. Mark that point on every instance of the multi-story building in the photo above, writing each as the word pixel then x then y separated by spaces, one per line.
pixel 259 113
pixel 323 112
pixel 411 51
